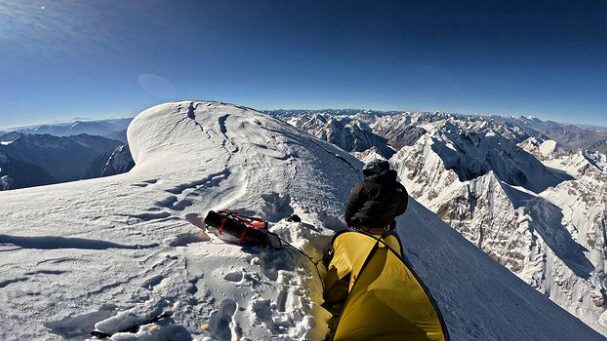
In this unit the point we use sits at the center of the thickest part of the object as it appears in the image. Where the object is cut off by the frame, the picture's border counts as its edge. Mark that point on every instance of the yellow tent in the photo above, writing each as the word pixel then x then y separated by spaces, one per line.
pixel 384 298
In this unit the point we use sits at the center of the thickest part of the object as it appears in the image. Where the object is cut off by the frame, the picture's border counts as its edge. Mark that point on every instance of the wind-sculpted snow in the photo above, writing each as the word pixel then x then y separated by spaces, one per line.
pixel 245 151
pixel 125 254
pixel 116 253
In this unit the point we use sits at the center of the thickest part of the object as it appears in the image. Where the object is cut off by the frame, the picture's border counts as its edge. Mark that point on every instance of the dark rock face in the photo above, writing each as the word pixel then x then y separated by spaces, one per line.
pixel 16 174
pixel 115 162
pixel 121 161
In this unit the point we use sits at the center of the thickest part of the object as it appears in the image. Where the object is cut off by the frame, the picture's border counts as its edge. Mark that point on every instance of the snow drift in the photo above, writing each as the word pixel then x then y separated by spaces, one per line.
pixel 122 254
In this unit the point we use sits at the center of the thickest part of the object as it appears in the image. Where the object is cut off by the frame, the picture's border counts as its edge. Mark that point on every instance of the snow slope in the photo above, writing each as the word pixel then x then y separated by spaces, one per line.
pixel 78 253
pixel 115 253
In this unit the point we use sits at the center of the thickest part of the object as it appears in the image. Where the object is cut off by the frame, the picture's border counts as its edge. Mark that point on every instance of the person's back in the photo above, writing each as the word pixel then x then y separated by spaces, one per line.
pixel 369 289
pixel 378 200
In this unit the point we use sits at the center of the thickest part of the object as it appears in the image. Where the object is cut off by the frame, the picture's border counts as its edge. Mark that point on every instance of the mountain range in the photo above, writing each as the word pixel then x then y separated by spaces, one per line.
pixel 567 135
pixel 60 152
pixel 125 255
pixel 526 192
pixel 33 160
pixel 109 128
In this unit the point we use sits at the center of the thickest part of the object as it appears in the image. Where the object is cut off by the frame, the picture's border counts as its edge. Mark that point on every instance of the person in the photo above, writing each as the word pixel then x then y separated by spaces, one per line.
pixel 375 202
pixel 372 207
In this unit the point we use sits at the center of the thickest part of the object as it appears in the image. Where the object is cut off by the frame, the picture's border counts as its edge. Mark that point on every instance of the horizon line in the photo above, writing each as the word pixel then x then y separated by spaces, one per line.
pixel 83 119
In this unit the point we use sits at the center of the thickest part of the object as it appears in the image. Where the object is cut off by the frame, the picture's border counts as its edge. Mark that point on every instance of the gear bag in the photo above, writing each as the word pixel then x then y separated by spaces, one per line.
pixel 235 228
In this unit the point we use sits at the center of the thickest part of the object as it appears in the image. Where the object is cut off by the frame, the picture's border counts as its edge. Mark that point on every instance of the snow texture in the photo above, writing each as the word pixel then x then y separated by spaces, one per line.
pixel 125 254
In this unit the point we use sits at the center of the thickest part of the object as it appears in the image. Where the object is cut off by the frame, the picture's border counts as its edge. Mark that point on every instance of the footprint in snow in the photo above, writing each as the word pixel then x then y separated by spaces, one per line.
pixel 219 325
pixel 79 326
pixel 145 183
pixel 234 276
pixel 151 282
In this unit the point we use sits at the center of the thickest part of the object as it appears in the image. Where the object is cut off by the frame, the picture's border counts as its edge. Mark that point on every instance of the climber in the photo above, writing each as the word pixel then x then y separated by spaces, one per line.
pixel 369 288
pixel 375 202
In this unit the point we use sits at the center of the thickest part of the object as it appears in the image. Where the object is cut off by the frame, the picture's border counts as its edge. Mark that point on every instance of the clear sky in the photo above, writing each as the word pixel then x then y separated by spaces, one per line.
pixel 62 59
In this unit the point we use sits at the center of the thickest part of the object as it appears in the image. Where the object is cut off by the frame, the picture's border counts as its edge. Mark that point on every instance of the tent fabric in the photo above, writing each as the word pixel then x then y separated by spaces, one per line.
pixel 385 298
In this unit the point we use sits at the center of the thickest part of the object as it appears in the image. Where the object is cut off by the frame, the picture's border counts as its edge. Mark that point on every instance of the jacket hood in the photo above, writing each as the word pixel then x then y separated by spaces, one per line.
pixel 375 167
pixel 384 177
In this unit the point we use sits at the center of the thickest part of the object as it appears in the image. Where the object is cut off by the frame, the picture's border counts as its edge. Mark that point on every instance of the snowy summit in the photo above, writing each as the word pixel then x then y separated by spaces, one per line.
pixel 128 255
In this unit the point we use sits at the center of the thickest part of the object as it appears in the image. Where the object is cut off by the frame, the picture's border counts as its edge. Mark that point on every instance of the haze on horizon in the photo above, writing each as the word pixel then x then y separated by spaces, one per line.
pixel 62 59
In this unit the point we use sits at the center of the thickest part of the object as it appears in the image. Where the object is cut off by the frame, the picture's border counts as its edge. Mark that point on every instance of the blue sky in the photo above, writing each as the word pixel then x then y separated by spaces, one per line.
pixel 62 59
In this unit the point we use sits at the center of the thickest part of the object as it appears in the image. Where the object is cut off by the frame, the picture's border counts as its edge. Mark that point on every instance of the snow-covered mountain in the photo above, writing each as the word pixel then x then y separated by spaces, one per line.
pixel 61 158
pixel 351 133
pixel 534 205
pixel 115 253
pixel 396 127
pixel 100 127
pixel 543 223
pixel 568 135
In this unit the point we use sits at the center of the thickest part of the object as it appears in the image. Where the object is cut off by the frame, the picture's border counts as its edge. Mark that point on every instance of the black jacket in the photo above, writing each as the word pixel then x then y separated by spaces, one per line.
pixel 376 201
